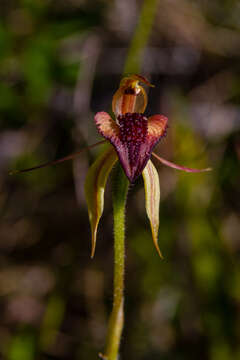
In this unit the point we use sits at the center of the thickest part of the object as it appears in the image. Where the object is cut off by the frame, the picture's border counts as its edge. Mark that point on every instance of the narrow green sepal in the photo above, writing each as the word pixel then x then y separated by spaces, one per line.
pixel 94 189
pixel 152 200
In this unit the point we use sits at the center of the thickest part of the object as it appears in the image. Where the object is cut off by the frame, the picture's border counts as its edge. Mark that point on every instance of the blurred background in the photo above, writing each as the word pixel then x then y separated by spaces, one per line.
pixel 60 62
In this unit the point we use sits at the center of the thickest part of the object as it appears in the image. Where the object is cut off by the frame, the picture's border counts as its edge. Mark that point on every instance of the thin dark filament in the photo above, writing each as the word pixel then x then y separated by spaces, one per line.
pixel 55 162
pixel 179 167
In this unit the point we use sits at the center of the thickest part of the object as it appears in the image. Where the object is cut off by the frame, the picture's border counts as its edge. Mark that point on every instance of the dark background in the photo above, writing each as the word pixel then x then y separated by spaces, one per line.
pixel 60 62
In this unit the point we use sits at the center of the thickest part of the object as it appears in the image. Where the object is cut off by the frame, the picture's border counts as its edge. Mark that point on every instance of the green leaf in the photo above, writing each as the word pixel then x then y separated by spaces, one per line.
pixel 152 200
pixel 94 189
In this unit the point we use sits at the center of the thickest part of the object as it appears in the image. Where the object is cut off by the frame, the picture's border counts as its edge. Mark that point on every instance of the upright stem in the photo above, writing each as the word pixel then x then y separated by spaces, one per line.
pixel 117 316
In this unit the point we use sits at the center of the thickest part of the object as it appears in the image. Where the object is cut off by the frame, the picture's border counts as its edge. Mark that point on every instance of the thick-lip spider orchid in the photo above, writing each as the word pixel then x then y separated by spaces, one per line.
pixel 133 137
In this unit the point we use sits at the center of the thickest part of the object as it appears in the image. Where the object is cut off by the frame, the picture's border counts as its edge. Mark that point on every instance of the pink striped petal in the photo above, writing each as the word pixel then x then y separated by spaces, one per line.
pixel 108 128
pixel 157 128
pixel 179 167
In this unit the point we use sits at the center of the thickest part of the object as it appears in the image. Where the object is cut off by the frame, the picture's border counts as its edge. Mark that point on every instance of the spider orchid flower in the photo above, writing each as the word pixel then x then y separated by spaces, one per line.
pixel 132 137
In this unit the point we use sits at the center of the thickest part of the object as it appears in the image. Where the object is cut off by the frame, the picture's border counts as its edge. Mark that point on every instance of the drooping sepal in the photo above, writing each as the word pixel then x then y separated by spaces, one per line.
pixel 94 189
pixel 152 200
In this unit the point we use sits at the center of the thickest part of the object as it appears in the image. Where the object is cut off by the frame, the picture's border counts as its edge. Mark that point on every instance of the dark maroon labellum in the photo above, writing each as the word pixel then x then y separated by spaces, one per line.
pixel 133 132
pixel 133 136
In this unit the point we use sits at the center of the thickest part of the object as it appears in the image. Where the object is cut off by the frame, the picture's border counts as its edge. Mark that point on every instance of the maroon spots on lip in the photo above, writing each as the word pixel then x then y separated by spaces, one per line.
pixel 133 127
pixel 133 132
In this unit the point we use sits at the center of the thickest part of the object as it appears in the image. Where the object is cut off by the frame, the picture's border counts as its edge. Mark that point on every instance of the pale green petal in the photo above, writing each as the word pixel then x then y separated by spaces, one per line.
pixel 152 200
pixel 94 189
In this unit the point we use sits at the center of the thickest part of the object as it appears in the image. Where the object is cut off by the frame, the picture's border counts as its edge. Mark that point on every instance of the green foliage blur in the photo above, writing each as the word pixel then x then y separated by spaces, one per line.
pixel 60 62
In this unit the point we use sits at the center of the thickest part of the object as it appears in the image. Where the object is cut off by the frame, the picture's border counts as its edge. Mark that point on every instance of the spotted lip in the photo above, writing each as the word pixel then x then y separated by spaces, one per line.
pixel 134 138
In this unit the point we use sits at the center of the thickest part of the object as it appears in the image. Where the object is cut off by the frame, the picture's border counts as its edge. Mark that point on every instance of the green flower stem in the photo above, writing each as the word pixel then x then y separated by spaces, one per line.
pixel 117 316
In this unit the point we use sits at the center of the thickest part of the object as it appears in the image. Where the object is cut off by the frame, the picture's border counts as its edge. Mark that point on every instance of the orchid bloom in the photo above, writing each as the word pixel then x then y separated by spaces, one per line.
pixel 133 137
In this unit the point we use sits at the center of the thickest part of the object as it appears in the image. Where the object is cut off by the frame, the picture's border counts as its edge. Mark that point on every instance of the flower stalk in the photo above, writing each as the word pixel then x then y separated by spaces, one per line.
pixel 116 321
